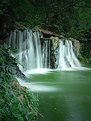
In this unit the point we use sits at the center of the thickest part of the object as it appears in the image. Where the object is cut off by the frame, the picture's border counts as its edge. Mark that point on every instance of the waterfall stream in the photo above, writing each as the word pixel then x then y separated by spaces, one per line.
pixel 27 44
pixel 67 57
pixel 33 52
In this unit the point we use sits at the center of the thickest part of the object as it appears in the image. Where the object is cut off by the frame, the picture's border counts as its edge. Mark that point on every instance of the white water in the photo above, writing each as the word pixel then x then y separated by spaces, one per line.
pixel 46 53
pixel 34 54
pixel 28 46
pixel 39 60
pixel 67 58
pixel 35 87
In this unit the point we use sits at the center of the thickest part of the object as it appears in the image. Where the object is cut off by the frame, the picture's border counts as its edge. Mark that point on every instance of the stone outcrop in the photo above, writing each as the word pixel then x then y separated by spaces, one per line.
pixel 76 45
pixel 55 46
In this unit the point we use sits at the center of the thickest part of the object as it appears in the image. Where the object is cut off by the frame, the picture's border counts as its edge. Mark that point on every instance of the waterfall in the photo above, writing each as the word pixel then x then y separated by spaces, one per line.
pixel 46 52
pixel 67 57
pixel 28 46
pixel 34 52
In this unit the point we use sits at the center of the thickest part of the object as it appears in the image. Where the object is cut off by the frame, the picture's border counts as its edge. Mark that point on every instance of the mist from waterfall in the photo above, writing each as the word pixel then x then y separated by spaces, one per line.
pixel 67 57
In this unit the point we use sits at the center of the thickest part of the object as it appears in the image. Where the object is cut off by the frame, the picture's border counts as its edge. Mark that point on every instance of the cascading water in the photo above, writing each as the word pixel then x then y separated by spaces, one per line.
pixel 67 58
pixel 33 52
pixel 46 52
pixel 28 46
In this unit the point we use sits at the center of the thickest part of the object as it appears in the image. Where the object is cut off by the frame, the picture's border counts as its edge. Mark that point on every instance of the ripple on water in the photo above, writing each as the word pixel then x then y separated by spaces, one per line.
pixel 36 87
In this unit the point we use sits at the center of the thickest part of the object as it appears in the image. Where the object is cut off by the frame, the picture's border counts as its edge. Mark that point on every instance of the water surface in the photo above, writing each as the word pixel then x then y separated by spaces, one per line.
pixel 63 95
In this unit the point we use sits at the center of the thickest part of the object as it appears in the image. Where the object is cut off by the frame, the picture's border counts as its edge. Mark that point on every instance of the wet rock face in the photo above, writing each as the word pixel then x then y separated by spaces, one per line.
pixel 6 25
pixel 55 51
pixel 76 45
pixel 55 42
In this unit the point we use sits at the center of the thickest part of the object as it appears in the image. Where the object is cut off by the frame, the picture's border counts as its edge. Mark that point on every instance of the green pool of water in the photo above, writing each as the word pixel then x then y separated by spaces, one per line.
pixel 63 95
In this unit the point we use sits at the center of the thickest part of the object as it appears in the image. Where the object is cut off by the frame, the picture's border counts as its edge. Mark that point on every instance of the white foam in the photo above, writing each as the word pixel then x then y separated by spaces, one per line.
pixel 46 70
pixel 36 87
pixel 38 71
pixel 74 69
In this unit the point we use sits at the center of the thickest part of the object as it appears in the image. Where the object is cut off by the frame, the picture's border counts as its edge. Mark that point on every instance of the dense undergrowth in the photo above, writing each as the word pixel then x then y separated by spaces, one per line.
pixel 17 103
pixel 85 53
pixel 70 18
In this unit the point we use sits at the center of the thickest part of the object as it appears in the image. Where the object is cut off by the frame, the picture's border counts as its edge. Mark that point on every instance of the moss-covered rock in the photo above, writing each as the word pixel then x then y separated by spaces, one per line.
pixel 17 103
pixel 54 56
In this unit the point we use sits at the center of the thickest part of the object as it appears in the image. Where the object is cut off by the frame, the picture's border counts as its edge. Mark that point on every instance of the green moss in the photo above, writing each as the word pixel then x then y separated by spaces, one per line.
pixel 17 103
pixel 85 53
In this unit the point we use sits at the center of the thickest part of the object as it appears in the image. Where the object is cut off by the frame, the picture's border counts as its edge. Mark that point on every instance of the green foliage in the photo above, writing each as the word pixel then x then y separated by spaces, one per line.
pixel 85 53
pixel 71 17
pixel 3 6
pixel 68 17
pixel 16 103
